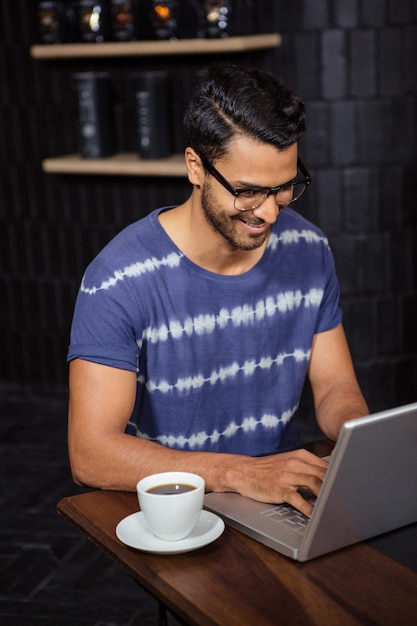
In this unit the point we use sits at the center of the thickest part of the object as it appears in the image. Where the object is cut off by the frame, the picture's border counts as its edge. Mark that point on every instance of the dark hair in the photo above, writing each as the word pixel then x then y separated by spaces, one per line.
pixel 230 99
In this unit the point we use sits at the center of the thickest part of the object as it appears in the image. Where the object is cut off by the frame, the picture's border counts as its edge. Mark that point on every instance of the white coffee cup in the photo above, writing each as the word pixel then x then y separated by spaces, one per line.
pixel 171 516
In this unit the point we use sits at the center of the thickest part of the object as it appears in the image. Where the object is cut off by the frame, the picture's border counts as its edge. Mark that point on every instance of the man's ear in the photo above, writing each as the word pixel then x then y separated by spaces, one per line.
pixel 195 169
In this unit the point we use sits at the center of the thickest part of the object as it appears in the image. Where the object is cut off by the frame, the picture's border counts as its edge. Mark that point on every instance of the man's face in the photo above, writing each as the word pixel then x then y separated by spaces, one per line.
pixel 248 164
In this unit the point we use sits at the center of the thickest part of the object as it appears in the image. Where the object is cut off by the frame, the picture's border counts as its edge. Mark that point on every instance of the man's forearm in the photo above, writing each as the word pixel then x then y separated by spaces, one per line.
pixel 121 460
pixel 343 401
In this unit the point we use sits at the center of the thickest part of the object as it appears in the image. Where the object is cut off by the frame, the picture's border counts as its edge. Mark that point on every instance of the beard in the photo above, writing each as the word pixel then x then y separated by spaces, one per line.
pixel 228 225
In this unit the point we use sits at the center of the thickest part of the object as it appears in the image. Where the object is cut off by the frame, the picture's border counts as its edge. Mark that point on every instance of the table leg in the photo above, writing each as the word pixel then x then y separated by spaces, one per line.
pixel 162 614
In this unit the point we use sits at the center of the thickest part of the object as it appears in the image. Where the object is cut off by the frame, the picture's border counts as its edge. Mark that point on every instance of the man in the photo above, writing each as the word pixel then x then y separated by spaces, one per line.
pixel 195 328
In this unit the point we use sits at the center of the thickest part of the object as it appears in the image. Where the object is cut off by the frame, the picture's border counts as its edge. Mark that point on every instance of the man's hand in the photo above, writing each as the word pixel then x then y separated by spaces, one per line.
pixel 279 477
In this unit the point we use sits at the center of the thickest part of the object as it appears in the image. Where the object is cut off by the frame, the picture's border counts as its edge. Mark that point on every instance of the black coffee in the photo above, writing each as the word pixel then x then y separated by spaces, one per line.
pixel 173 488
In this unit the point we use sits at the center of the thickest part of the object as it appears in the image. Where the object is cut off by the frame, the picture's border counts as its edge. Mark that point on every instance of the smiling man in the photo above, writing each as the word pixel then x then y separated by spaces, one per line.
pixel 196 327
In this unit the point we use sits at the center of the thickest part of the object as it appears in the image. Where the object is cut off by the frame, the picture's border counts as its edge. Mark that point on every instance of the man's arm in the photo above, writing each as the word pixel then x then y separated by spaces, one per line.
pixel 102 455
pixel 337 396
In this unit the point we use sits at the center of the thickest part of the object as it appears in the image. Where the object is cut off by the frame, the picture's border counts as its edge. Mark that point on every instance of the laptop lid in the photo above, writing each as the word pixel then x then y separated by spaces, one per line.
pixel 370 488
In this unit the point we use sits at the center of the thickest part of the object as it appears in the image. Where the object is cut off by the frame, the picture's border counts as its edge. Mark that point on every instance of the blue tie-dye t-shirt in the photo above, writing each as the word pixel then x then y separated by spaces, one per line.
pixel 220 360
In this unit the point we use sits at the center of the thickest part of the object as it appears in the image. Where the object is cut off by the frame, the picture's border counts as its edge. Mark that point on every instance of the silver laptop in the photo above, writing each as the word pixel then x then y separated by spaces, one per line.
pixel 370 488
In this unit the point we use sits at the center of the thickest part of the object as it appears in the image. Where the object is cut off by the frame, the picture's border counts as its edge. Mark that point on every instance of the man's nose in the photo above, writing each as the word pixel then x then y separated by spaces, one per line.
pixel 268 210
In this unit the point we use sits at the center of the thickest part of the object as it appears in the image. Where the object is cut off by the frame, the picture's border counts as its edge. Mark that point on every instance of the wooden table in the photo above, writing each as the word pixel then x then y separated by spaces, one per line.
pixel 236 581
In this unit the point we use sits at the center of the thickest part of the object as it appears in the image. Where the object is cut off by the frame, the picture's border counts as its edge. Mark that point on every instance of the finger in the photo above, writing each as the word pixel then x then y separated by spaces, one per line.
pixel 313 459
pixel 301 474
pixel 298 502
pixel 301 458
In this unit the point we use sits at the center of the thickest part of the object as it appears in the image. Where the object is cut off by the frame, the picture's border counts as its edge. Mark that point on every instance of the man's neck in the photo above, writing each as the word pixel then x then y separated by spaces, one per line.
pixel 195 237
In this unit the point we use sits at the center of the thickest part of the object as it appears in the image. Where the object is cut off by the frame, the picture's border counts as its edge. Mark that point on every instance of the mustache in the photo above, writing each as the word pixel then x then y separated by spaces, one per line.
pixel 252 220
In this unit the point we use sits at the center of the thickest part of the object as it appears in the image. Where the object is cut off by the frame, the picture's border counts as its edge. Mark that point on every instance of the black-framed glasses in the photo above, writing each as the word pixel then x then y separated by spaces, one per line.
pixel 251 198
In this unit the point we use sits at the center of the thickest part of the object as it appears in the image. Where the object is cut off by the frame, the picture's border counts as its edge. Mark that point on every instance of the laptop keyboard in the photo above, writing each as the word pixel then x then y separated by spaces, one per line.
pixel 288 516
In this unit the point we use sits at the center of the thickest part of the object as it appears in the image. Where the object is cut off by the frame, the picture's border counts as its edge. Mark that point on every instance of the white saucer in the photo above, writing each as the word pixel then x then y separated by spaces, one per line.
pixel 135 533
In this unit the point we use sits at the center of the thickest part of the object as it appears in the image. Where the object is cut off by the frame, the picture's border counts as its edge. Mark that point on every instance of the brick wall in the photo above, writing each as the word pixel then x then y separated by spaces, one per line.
pixel 354 61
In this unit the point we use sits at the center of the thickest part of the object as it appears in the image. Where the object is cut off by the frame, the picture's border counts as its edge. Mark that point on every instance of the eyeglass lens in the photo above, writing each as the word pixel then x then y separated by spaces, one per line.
pixel 253 199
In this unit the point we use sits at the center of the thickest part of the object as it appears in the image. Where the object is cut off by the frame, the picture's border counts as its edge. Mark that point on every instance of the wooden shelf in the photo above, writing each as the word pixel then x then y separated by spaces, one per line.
pixel 122 164
pixel 130 164
pixel 156 48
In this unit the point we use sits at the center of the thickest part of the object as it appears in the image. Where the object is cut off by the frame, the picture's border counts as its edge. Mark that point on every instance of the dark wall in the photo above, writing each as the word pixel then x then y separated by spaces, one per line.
pixel 354 61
